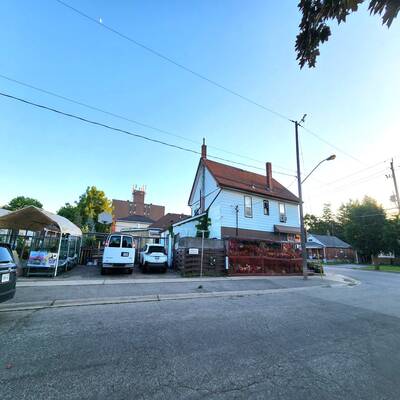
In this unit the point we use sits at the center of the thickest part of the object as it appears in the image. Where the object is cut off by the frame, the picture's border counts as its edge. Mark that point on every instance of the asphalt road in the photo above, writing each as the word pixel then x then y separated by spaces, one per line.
pixel 322 343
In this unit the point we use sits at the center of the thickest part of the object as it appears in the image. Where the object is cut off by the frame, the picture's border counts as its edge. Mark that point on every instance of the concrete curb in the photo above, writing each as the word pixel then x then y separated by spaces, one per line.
pixel 149 298
pixel 346 280
pixel 83 282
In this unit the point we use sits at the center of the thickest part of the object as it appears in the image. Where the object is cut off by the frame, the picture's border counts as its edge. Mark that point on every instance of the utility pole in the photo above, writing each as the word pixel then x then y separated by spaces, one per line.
pixel 302 230
pixel 237 220
pixel 395 185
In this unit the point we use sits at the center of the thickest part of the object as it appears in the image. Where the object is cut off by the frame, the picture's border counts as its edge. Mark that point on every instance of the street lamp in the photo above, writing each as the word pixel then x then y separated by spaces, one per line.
pixel 330 158
pixel 299 182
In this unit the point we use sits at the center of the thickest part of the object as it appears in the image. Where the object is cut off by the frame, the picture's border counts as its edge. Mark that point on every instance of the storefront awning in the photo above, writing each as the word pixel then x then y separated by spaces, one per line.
pixel 287 229
pixel 35 219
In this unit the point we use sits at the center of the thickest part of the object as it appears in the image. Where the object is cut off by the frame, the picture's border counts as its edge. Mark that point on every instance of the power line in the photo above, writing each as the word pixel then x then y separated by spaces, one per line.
pixel 119 116
pixel 355 173
pixel 197 74
pixel 329 144
pixel 170 60
pixel 122 131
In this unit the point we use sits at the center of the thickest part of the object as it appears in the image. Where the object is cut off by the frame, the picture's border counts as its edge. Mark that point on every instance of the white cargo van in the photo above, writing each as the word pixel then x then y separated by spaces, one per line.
pixel 119 252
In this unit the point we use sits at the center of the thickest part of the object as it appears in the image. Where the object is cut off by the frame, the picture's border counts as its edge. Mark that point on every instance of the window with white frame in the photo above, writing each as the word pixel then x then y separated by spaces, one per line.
pixel 266 207
pixel 248 207
pixel 282 212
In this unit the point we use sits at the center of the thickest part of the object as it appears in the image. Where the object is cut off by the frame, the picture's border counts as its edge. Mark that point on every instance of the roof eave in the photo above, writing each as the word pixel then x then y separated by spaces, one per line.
pixel 259 193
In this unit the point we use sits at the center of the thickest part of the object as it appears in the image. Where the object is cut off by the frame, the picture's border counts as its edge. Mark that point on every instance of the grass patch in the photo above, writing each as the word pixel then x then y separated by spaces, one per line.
pixel 384 268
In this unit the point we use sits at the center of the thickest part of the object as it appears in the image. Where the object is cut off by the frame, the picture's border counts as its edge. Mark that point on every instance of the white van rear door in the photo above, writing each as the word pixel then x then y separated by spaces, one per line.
pixel 128 249
pixel 112 253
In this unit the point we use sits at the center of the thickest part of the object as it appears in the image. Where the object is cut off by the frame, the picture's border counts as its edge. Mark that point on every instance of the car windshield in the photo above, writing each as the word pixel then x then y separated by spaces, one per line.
pixel 5 256
pixel 156 249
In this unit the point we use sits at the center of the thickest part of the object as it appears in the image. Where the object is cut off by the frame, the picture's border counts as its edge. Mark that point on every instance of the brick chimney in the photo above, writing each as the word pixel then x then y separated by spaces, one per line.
pixel 268 167
pixel 138 200
pixel 204 149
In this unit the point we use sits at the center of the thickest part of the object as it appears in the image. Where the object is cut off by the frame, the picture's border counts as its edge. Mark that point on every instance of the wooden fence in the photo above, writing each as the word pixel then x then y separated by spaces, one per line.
pixel 259 265
pixel 251 257
pixel 190 264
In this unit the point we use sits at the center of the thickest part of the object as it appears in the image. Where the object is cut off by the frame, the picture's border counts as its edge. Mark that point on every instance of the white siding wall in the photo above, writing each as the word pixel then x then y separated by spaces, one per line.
pixel 210 186
pixel 126 225
pixel 186 230
pixel 222 213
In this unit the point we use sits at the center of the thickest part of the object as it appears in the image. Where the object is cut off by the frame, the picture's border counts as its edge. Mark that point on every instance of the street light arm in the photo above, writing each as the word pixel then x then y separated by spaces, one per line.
pixel 330 158
pixel 312 171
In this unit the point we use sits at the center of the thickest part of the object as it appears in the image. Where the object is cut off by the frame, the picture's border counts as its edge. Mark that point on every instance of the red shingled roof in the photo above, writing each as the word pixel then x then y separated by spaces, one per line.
pixel 239 179
pixel 167 220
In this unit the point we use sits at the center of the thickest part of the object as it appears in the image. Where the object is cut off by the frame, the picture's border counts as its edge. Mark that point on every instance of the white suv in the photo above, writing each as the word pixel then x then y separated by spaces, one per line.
pixel 153 256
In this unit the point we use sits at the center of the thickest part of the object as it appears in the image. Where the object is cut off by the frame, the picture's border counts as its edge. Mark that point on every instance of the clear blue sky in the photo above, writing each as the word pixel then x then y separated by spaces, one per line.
pixel 351 98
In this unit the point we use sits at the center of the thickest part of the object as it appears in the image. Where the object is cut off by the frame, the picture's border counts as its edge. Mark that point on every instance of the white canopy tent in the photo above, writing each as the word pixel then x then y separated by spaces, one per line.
pixel 34 219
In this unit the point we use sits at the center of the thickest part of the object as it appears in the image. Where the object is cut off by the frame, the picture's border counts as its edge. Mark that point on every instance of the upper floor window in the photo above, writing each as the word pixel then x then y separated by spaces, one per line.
pixel 282 212
pixel 266 207
pixel 248 207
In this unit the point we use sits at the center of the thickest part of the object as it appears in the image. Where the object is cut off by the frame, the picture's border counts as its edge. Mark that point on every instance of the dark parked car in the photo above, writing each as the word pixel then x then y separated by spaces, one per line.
pixel 8 273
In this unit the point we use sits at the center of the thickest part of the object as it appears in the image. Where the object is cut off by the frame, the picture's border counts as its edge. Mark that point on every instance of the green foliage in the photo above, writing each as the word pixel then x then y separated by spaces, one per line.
pixel 316 14
pixel 71 212
pixel 21 201
pixel 364 226
pixel 87 209
pixel 325 225
pixel 203 225
pixel 392 235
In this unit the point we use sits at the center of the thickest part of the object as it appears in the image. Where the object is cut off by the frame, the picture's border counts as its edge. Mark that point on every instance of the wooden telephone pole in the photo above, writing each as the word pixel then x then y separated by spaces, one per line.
pixel 396 190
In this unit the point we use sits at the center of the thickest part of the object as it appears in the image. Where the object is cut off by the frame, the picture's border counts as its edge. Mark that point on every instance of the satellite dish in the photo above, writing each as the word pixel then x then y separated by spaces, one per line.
pixel 104 218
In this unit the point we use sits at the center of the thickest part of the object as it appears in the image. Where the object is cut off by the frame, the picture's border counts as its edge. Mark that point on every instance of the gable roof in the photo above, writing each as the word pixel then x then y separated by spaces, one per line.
pixel 246 181
pixel 136 218
pixel 331 241
pixel 167 220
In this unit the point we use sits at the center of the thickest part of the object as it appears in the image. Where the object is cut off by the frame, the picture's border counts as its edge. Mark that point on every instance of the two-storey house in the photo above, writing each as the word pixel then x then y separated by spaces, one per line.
pixel 240 204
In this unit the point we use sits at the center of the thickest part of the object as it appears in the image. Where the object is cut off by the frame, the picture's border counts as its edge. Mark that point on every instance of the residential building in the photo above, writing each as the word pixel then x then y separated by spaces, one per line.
pixel 164 223
pixel 328 248
pixel 132 223
pixel 240 204
pixel 127 208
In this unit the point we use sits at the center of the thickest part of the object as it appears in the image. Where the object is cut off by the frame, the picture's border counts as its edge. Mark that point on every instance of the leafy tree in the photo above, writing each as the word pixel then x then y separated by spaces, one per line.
pixel 315 224
pixel 21 201
pixel 364 227
pixel 314 28
pixel 324 225
pixel 70 212
pixel 203 225
pixel 392 235
pixel 90 205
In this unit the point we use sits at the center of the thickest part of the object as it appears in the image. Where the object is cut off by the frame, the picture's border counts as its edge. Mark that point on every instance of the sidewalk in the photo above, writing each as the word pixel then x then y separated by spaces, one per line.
pixel 55 293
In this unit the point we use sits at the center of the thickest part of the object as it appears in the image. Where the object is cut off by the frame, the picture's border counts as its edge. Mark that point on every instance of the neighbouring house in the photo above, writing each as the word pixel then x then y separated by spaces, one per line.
pixel 137 207
pixel 163 224
pixel 240 204
pixel 138 224
pixel 328 248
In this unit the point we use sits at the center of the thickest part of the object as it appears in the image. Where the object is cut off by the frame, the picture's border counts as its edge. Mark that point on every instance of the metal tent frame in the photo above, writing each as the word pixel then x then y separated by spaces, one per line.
pixel 34 219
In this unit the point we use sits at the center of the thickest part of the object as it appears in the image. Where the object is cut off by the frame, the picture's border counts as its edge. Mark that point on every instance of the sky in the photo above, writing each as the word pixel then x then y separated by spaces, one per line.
pixel 351 99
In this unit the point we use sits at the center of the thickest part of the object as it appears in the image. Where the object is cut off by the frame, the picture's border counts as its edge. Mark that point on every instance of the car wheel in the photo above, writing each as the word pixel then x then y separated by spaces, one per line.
pixel 103 271
pixel 164 270
pixel 130 270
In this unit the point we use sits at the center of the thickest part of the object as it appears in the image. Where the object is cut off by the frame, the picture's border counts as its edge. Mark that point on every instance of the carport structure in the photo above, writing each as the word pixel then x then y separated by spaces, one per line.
pixel 53 240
